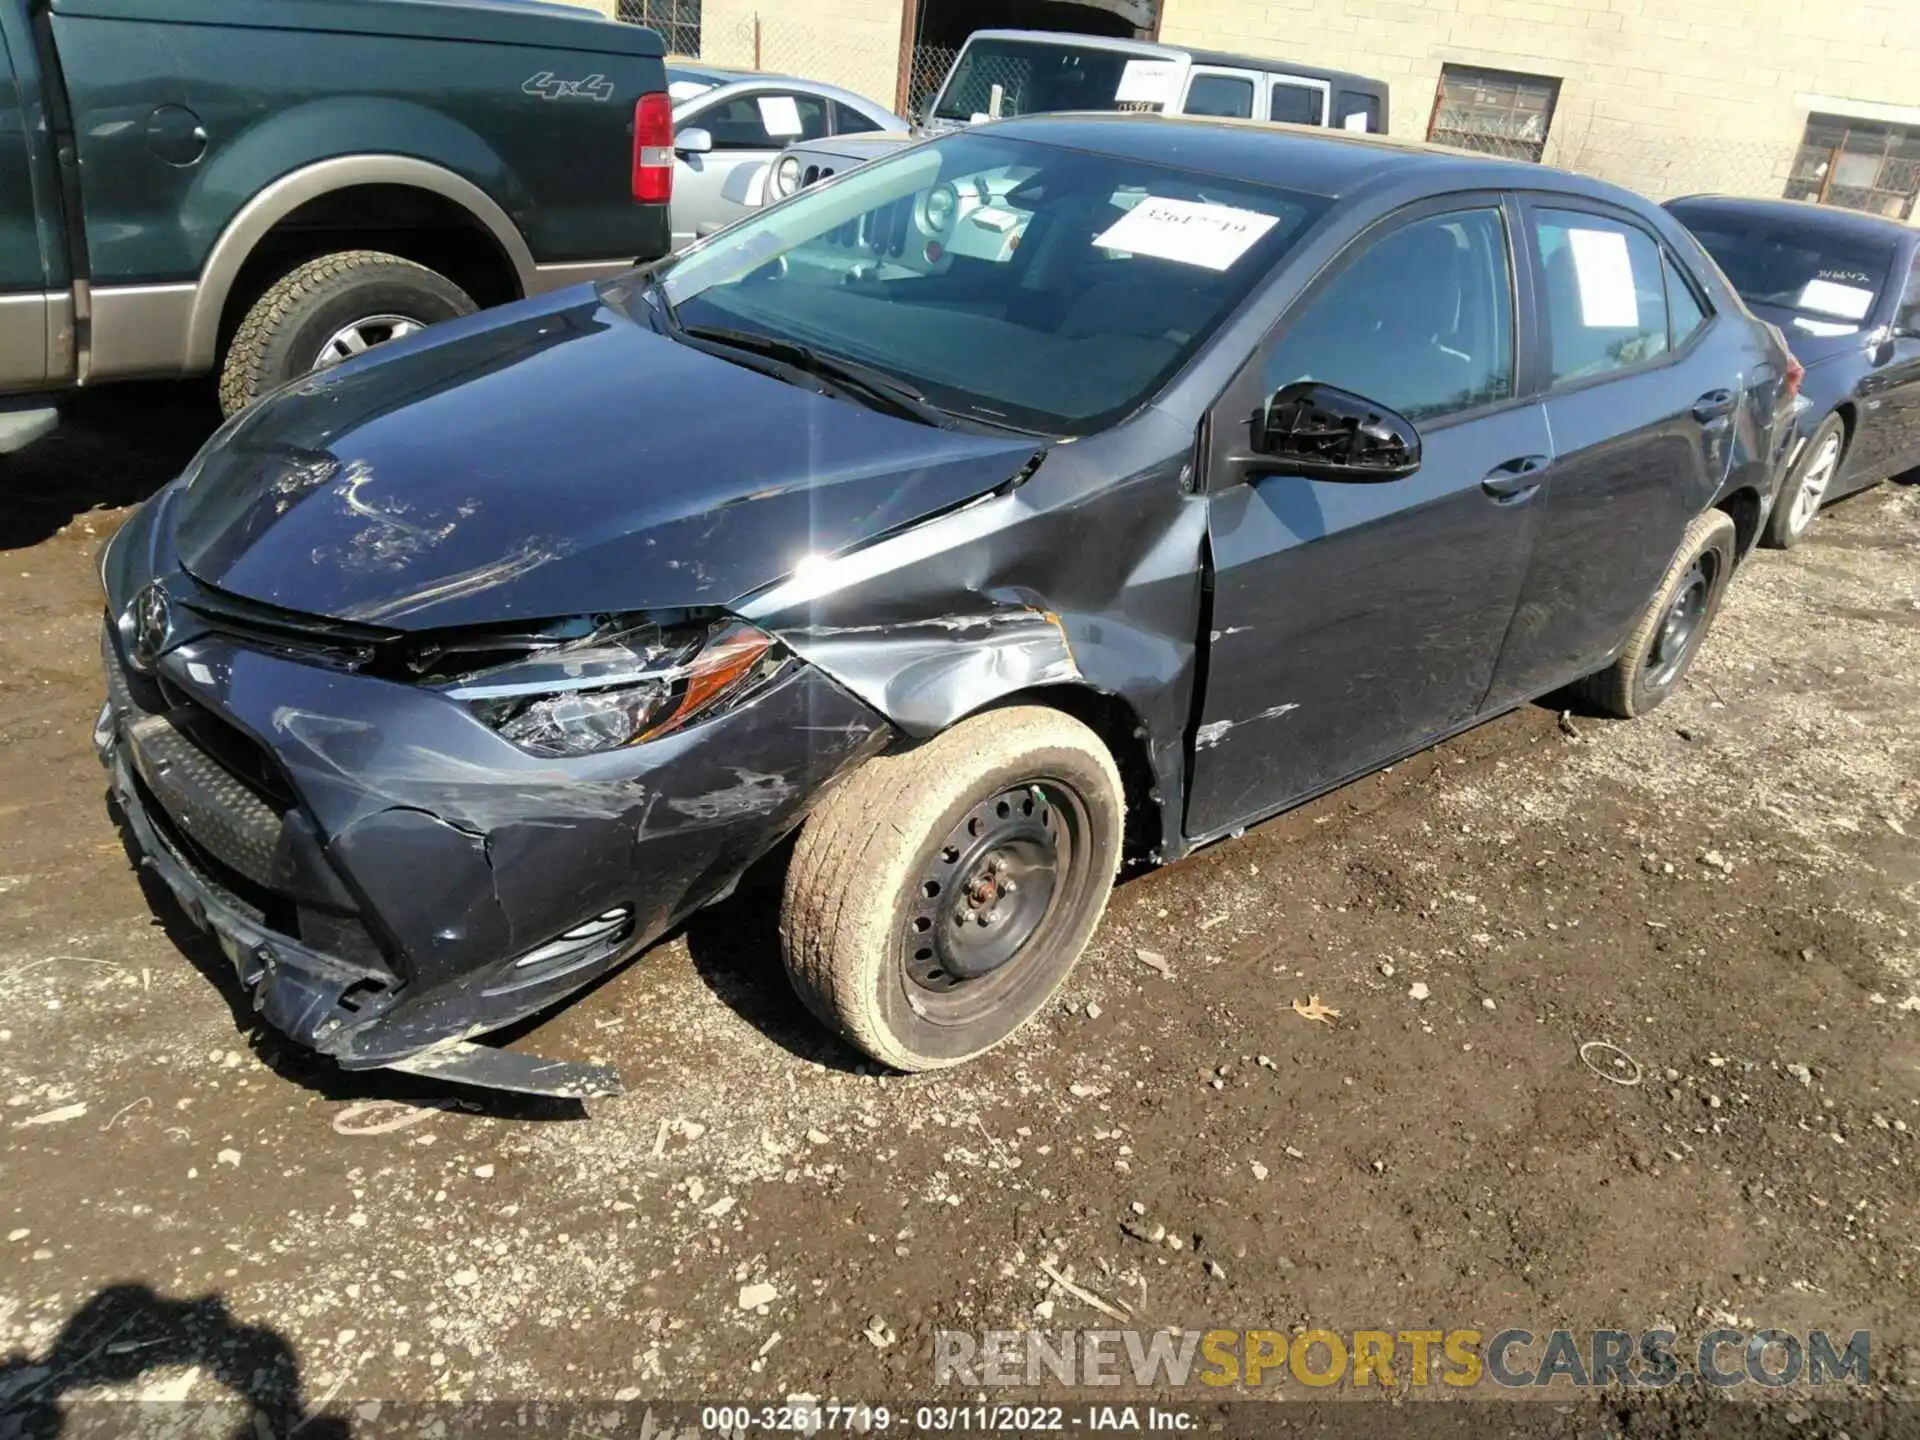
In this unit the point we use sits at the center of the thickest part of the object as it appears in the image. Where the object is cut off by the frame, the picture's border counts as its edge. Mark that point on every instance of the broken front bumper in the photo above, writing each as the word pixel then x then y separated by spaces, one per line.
pixel 389 878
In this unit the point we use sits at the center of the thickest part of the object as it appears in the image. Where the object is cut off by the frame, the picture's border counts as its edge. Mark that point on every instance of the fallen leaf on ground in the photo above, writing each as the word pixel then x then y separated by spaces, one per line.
pixel 1314 1010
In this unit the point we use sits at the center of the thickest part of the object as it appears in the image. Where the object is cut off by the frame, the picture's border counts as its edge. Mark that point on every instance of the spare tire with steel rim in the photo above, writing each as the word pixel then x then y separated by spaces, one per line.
pixel 1668 632
pixel 937 898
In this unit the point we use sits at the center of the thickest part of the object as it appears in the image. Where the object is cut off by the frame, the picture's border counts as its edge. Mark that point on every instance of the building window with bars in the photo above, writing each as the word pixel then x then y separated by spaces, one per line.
pixel 1495 111
pixel 678 22
pixel 1858 165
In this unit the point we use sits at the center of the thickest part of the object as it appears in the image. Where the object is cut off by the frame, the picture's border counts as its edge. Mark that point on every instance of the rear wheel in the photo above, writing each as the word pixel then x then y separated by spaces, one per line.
pixel 1807 488
pixel 329 310
pixel 1670 630
pixel 937 899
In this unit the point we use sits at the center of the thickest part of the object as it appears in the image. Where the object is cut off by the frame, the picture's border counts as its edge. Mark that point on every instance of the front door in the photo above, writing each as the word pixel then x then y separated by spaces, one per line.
pixel 1889 433
pixel 1352 623
pixel 1642 434
pixel 713 188
pixel 23 278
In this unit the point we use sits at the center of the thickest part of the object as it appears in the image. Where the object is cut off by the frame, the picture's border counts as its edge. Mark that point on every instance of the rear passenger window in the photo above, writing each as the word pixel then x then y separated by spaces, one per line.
pixel 849 121
pixel 1296 104
pixel 1230 95
pixel 1358 111
pixel 1421 321
pixel 1606 295
pixel 1684 306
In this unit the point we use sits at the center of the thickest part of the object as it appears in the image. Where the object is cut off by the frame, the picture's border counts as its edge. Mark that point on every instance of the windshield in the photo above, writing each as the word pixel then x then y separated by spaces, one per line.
pixel 1036 77
pixel 1008 282
pixel 1826 285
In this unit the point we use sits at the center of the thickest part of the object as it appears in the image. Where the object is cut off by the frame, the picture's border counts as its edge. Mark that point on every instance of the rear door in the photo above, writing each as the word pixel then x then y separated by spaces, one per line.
pixel 1642 435
pixel 1352 623
pixel 748 128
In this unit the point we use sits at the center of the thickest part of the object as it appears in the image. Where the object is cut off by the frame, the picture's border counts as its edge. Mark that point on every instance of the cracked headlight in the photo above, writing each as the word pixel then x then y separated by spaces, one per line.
pixel 622 684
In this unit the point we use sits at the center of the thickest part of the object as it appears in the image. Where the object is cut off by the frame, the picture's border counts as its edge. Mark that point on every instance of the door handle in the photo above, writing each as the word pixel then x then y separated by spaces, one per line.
pixel 1517 479
pixel 1714 405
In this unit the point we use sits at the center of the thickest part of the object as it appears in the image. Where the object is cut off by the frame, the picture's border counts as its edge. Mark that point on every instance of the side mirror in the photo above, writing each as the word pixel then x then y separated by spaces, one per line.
pixel 1906 325
pixel 1325 433
pixel 693 141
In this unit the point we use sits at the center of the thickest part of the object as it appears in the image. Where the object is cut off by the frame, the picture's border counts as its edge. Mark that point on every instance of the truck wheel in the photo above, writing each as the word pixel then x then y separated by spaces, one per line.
pixel 936 899
pixel 1668 633
pixel 329 310
pixel 1806 488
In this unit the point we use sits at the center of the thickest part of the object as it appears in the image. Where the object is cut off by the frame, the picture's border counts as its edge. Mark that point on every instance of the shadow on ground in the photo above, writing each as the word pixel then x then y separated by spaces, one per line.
pixel 114 447
pixel 127 1331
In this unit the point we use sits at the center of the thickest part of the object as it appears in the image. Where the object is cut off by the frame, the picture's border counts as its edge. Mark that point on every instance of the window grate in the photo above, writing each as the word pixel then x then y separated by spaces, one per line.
pixel 678 22
pixel 1494 111
pixel 1858 165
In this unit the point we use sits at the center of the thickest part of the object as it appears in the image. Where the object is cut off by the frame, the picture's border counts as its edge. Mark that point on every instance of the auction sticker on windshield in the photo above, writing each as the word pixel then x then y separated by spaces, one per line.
pixel 1830 297
pixel 1189 231
pixel 1146 82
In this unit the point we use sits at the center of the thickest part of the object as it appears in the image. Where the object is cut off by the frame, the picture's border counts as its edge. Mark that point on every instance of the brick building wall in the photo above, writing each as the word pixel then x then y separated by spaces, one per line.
pixel 1664 96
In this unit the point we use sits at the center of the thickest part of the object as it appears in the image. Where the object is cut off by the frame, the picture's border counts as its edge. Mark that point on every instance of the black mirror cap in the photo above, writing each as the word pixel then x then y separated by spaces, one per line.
pixel 1321 432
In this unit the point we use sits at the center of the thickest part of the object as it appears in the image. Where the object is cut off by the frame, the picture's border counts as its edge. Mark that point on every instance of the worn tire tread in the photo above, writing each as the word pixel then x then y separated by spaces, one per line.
pixel 855 848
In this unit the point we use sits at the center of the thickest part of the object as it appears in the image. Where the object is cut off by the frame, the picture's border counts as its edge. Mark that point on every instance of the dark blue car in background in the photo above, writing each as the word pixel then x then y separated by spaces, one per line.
pixel 1053 490
pixel 1845 289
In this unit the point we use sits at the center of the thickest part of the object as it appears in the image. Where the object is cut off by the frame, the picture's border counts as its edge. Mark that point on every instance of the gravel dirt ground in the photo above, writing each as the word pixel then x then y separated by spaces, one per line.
pixel 1728 891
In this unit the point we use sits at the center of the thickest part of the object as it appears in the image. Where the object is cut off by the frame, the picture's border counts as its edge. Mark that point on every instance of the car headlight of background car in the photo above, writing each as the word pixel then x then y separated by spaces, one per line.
pixel 786 175
pixel 628 680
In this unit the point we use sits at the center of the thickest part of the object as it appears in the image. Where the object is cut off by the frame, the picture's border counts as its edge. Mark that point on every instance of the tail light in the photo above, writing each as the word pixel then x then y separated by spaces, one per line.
pixel 1796 372
pixel 653 149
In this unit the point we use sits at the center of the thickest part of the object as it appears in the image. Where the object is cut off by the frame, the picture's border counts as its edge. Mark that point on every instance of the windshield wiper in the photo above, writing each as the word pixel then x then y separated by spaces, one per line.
pixel 865 381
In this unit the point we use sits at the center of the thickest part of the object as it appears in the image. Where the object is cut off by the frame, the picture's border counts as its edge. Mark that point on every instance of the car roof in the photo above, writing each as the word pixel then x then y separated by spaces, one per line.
pixel 1275 64
pixel 1814 218
pixel 1308 159
pixel 716 77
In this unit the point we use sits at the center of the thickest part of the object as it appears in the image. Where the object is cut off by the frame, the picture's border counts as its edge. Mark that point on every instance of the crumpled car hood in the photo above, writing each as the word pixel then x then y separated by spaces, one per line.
pixel 553 458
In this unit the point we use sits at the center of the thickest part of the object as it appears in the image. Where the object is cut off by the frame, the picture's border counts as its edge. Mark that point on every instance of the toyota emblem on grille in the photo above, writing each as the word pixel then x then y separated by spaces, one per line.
pixel 151 624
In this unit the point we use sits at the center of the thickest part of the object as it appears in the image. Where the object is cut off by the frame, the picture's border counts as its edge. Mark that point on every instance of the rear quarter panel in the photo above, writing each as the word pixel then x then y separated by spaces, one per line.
pixel 272 100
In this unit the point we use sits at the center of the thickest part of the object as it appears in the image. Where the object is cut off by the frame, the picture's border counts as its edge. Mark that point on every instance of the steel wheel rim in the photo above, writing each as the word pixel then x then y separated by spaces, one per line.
pixel 991 898
pixel 362 335
pixel 1814 483
pixel 1682 625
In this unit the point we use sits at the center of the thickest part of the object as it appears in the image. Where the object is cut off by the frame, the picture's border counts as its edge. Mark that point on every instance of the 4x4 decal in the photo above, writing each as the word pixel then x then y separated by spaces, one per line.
pixel 594 87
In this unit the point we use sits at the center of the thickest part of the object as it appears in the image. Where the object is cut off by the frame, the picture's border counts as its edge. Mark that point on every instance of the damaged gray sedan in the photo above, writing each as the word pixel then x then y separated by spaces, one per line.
pixel 1051 492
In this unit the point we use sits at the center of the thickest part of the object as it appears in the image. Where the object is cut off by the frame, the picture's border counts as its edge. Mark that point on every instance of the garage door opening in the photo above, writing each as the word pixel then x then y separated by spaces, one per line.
pixel 940 27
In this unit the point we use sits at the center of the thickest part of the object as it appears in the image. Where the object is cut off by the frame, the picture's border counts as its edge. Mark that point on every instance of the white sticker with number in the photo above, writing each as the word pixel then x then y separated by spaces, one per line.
pixel 1191 232
pixel 1830 297
pixel 780 115
pixel 1605 272
pixel 1147 82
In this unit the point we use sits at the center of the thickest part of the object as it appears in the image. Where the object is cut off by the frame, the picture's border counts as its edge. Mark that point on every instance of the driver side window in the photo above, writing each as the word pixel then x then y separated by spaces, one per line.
pixel 1421 321
pixel 762 121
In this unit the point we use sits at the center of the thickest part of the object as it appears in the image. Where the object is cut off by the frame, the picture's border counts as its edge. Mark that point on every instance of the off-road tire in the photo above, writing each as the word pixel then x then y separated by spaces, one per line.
pixel 280 338
pixel 1780 534
pixel 857 869
pixel 1627 688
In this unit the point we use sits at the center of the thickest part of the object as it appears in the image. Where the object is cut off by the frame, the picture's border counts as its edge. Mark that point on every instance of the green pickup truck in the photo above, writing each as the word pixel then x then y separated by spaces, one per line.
pixel 257 188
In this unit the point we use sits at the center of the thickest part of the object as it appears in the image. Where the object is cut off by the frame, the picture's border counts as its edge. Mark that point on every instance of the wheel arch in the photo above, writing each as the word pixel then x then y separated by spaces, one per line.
pixel 1121 729
pixel 1748 511
pixel 278 201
